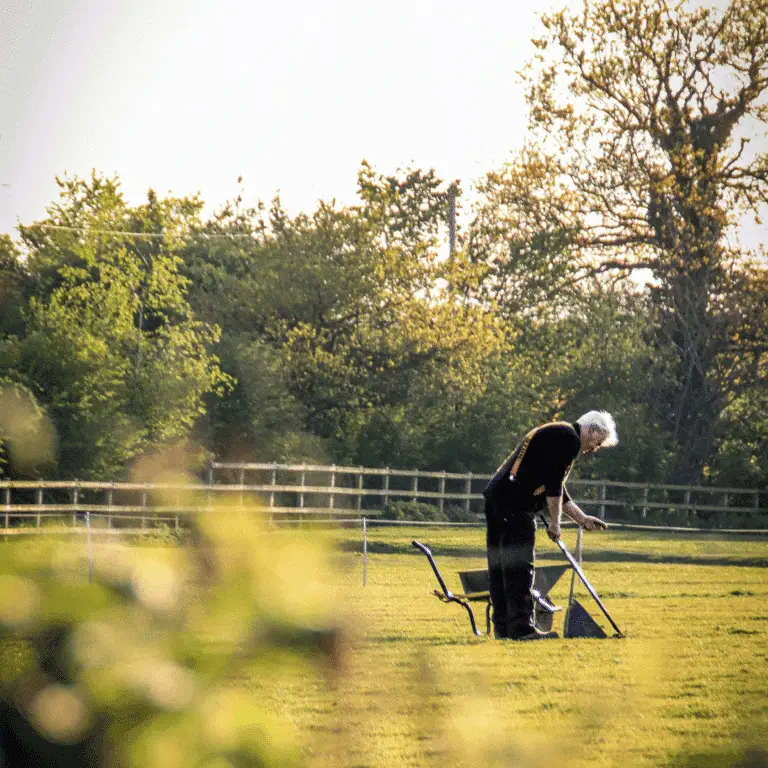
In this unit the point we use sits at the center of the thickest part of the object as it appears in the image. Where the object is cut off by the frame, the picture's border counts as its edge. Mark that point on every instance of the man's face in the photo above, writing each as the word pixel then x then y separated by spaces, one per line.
pixel 592 439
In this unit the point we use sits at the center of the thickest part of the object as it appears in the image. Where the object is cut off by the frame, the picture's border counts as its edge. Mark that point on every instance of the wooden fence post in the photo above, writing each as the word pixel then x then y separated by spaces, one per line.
pixel 39 502
pixel 415 487
pixel 644 512
pixel 602 501
pixel 360 490
pixel 386 487
pixel 273 482
pixel 209 492
pixel 242 489
pixel 468 491
pixel 333 485
pixel 75 502
pixel 109 504
pixel 441 502
pixel 143 506
pixel 7 501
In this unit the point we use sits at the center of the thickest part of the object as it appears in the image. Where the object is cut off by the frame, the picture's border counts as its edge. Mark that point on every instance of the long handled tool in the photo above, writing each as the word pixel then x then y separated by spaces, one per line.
pixel 580 573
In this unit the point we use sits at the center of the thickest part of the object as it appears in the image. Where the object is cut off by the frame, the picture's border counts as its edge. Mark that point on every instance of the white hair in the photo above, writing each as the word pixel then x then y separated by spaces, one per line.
pixel 603 421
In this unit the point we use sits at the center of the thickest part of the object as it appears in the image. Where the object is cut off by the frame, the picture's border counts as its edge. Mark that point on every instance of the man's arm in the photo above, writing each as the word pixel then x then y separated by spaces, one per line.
pixel 555 511
pixel 587 522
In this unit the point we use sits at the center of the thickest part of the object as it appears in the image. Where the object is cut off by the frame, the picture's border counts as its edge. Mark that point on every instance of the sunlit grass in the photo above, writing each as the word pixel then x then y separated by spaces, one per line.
pixel 420 690
pixel 414 687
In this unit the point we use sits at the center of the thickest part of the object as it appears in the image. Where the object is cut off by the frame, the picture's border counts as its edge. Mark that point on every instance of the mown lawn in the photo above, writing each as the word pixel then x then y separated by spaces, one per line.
pixel 689 682
pixel 686 686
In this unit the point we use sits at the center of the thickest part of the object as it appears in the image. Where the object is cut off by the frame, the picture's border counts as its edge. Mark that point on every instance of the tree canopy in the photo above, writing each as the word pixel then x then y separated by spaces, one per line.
pixel 638 159
pixel 598 268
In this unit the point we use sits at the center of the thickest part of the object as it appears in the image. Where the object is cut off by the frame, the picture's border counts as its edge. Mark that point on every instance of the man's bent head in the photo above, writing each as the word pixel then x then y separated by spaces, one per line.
pixel 598 430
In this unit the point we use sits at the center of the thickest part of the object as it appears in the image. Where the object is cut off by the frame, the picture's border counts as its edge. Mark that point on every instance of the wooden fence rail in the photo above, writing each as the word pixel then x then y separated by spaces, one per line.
pixel 320 491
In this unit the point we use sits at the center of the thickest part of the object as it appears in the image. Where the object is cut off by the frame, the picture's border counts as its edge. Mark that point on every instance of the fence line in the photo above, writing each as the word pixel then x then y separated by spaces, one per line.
pixel 308 491
pixel 373 488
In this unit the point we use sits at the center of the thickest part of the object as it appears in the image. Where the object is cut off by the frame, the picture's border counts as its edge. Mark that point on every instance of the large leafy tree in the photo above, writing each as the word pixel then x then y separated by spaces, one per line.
pixel 355 317
pixel 111 348
pixel 639 159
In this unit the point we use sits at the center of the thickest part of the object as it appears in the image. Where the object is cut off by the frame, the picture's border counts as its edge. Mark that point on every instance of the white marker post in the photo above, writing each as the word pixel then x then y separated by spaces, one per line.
pixel 579 533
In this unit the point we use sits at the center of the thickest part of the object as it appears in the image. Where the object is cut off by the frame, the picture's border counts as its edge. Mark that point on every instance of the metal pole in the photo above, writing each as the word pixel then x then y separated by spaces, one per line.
pixel 365 550
pixel 451 220
pixel 579 541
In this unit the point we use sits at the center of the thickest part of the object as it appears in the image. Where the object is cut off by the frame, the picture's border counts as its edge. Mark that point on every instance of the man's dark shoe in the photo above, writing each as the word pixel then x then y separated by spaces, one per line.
pixel 500 633
pixel 537 634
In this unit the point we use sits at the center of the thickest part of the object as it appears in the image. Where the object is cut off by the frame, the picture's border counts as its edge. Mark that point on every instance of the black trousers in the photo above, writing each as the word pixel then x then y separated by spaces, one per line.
pixel 510 539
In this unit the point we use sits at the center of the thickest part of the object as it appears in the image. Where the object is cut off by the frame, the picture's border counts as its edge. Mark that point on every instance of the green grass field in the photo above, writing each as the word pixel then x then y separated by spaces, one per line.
pixel 689 682
pixel 687 686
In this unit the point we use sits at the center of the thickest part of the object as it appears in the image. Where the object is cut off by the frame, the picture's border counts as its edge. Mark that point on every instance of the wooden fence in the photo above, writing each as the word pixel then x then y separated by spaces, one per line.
pixel 336 492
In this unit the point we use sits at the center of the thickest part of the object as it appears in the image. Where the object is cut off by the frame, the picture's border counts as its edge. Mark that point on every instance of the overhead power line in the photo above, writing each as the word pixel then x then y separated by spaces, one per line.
pixel 148 235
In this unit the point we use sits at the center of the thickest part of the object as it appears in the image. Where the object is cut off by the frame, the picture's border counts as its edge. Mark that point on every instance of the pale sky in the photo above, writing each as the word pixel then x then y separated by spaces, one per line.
pixel 187 95
pixel 184 96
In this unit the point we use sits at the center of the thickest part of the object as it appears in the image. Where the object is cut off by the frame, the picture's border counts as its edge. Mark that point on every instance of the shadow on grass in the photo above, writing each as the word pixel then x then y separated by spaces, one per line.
pixel 595 555
pixel 399 639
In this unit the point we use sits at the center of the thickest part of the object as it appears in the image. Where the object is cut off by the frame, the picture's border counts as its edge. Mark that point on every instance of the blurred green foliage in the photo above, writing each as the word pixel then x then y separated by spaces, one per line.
pixel 140 667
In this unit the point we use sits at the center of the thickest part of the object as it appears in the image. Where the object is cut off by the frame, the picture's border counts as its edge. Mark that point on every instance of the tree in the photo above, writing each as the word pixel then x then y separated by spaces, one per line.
pixel 111 349
pixel 13 285
pixel 638 160
pixel 351 316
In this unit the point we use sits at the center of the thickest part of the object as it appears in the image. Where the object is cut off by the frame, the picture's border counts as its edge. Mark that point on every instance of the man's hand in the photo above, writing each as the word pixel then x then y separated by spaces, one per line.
pixel 553 530
pixel 589 523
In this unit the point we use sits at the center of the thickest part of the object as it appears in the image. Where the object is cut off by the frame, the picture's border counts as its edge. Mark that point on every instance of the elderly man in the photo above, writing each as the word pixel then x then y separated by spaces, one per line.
pixel 532 478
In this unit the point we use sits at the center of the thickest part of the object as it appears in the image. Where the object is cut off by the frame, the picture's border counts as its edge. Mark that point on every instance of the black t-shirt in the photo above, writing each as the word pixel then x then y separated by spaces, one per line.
pixel 539 466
